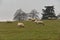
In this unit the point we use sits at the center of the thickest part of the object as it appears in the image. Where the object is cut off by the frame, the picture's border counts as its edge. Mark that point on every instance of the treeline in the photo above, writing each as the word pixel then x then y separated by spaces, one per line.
pixel 21 15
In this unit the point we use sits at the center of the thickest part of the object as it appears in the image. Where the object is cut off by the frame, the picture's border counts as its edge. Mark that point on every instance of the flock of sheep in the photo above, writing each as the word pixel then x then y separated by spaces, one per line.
pixel 20 24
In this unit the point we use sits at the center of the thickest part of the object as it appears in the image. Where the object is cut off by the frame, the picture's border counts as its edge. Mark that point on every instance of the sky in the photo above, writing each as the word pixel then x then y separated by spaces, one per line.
pixel 9 7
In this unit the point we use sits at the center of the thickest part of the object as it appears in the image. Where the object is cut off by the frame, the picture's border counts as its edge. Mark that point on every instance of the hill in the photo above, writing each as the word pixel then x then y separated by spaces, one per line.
pixel 31 31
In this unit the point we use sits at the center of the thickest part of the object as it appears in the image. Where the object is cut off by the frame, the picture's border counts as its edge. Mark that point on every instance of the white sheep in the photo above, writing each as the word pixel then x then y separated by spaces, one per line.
pixel 29 18
pixel 39 22
pixel 20 24
pixel 32 19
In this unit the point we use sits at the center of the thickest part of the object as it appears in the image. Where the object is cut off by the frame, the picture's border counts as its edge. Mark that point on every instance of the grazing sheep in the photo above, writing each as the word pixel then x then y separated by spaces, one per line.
pixel 20 25
pixel 29 18
pixel 49 18
pixel 32 19
pixel 39 22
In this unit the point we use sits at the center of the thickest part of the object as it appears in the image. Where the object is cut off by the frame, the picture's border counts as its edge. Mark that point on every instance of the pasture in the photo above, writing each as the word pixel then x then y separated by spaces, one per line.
pixel 31 31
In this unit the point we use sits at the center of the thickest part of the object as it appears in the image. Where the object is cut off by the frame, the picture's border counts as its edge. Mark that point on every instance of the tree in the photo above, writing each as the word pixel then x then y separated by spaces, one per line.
pixel 34 14
pixel 19 15
pixel 49 13
pixel 58 16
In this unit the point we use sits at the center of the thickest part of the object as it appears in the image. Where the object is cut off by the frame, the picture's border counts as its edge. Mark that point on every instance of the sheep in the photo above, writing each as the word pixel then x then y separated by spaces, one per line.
pixel 49 18
pixel 20 25
pixel 31 19
pixel 39 22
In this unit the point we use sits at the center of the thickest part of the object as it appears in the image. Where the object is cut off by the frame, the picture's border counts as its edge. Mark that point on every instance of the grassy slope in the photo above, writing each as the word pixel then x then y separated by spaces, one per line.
pixel 32 31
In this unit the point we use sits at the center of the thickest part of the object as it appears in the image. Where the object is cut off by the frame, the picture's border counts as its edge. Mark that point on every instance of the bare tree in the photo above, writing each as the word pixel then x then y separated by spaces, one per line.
pixel 19 15
pixel 34 13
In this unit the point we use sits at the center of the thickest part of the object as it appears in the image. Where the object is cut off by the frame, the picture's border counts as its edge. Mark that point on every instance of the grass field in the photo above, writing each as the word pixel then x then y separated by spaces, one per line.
pixel 31 31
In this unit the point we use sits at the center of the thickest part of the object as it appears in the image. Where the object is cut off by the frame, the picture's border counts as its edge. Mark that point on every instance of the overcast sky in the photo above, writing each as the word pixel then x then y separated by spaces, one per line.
pixel 9 7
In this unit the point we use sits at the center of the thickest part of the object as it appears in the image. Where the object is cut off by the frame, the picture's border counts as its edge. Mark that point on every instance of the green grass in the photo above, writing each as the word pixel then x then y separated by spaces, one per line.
pixel 31 31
